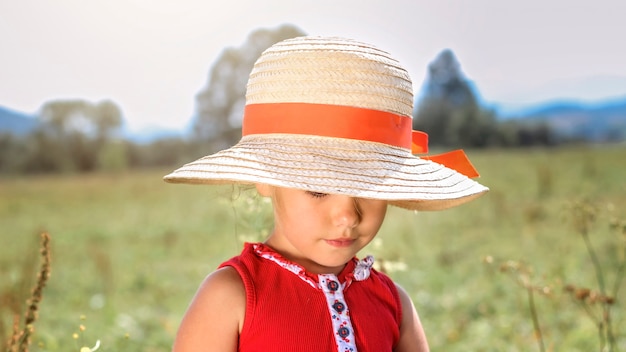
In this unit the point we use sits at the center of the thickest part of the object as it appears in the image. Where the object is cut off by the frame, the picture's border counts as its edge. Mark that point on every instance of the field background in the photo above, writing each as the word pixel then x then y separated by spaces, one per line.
pixel 128 252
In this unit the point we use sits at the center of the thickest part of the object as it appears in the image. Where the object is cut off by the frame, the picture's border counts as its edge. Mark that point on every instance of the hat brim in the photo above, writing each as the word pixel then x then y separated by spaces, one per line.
pixel 336 166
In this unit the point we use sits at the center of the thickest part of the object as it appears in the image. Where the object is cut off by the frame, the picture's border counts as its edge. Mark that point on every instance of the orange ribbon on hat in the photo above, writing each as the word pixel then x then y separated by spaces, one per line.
pixel 340 121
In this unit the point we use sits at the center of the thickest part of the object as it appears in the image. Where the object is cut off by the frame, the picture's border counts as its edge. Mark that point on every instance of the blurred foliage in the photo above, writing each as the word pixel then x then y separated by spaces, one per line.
pixel 220 105
pixel 451 114
pixel 71 136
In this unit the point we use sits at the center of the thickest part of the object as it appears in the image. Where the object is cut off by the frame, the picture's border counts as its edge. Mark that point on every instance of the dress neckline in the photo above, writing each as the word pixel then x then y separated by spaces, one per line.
pixel 354 270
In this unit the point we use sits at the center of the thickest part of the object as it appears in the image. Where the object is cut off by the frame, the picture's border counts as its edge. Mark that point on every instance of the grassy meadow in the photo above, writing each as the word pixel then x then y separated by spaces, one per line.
pixel 128 252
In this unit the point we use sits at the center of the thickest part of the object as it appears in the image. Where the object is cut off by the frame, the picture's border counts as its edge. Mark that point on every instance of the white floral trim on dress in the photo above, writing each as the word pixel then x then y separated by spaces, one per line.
pixel 265 252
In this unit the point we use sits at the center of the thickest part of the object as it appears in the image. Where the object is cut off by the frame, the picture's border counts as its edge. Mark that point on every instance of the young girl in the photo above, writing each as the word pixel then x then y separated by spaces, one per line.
pixel 327 136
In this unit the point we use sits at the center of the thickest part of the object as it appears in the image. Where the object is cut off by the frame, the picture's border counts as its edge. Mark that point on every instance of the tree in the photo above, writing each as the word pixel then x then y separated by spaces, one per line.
pixel 447 82
pixel 449 110
pixel 219 106
pixel 77 131
pixel 11 147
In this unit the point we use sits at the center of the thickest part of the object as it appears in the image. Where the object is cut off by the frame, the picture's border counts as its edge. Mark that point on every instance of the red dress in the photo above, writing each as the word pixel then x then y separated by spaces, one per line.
pixel 289 309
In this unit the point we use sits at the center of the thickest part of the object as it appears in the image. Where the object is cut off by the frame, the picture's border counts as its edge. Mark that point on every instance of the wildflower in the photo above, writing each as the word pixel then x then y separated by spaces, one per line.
pixel 92 349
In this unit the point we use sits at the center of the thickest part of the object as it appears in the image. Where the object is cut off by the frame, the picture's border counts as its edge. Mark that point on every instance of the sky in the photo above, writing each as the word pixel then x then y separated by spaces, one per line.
pixel 151 57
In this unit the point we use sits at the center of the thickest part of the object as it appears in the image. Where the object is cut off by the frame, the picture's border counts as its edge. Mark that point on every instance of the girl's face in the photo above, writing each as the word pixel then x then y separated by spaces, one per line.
pixel 319 231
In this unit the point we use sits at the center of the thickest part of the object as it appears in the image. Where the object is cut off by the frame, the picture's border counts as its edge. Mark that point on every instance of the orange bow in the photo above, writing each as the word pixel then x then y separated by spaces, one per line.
pixel 456 159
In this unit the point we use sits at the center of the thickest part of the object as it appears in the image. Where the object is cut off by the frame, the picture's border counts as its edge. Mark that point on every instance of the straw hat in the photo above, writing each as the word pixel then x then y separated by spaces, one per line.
pixel 333 115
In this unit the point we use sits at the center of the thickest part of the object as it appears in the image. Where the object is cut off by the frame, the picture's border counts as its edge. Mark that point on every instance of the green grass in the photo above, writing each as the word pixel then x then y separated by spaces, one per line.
pixel 128 252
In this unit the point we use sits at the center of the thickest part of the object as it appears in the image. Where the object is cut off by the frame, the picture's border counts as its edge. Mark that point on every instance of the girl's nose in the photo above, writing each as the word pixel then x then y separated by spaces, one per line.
pixel 346 212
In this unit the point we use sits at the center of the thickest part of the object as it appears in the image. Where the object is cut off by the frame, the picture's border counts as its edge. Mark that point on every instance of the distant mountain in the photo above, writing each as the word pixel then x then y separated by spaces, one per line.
pixel 597 121
pixel 590 89
pixel 16 123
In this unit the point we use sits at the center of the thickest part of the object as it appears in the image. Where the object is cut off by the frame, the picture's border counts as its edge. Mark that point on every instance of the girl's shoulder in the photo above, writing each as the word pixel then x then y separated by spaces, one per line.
pixel 215 315
pixel 224 282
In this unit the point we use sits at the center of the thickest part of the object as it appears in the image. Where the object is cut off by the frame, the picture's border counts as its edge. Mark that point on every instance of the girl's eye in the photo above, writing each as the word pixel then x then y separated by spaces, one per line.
pixel 317 194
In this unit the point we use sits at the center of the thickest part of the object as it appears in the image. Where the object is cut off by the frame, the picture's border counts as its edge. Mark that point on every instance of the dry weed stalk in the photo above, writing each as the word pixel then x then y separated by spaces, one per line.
pixel 597 304
pixel 583 216
pixel 522 274
pixel 20 339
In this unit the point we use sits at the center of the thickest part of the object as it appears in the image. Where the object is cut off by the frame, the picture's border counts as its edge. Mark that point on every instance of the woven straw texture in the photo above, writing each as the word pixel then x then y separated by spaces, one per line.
pixel 332 71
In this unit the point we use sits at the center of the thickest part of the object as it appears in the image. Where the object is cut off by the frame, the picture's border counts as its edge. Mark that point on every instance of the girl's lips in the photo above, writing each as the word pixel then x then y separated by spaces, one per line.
pixel 340 242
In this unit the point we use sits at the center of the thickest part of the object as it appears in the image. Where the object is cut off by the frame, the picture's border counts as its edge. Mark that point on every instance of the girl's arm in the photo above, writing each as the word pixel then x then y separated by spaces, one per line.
pixel 412 336
pixel 215 316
